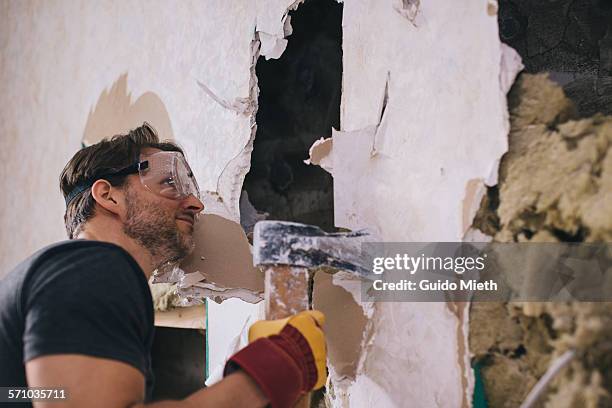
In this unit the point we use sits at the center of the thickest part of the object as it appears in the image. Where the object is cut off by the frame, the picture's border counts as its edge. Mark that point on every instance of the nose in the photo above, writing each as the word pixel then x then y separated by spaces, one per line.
pixel 193 204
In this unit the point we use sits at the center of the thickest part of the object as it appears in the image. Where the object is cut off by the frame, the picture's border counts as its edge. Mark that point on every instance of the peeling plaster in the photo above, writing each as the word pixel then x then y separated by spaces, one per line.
pixel 394 153
pixel 319 154
pixel 421 154
pixel 59 69
pixel 271 33
pixel 229 184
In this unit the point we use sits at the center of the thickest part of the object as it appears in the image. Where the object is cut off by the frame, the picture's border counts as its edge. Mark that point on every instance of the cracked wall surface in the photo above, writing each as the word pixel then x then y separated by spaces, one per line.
pixel 58 58
pixel 555 186
pixel 422 127
pixel 419 121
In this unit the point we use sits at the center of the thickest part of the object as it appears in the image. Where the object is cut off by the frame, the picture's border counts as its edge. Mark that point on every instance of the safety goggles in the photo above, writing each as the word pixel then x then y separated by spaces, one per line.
pixel 164 173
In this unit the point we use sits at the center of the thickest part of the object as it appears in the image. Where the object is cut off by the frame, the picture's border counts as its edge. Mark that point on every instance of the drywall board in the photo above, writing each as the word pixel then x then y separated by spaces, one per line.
pixel 222 254
pixel 423 118
pixel 59 57
pixel 227 332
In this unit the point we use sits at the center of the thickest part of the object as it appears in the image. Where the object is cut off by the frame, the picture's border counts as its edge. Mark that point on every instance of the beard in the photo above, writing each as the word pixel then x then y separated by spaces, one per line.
pixel 156 230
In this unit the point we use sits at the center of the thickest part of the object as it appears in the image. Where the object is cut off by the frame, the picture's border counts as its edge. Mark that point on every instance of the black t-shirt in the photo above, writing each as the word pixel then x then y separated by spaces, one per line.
pixel 75 297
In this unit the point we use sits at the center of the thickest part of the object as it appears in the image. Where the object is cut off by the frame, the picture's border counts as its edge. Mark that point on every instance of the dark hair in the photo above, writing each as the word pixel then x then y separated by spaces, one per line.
pixel 104 157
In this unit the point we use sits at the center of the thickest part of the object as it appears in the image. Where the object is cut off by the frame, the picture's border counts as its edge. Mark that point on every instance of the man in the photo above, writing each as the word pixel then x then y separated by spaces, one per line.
pixel 78 315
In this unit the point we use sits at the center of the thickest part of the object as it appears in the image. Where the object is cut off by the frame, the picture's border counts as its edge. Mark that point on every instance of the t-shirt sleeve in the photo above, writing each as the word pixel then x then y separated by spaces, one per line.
pixel 90 301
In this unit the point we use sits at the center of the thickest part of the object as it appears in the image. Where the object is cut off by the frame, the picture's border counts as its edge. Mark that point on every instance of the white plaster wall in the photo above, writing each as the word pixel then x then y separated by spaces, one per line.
pixel 406 176
pixel 56 58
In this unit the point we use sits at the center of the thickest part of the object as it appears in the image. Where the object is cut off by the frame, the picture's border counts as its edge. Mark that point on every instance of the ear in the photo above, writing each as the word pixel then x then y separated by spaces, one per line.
pixel 108 197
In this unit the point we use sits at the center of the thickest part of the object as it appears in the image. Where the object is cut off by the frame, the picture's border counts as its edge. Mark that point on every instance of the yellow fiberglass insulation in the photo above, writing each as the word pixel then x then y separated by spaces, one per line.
pixel 555 185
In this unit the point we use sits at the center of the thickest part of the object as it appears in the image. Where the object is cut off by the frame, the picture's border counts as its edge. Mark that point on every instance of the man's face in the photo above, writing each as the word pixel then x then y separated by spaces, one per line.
pixel 162 225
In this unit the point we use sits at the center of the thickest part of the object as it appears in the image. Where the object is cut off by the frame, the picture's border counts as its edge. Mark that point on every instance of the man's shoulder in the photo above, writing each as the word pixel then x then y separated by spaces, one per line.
pixel 79 249
pixel 85 261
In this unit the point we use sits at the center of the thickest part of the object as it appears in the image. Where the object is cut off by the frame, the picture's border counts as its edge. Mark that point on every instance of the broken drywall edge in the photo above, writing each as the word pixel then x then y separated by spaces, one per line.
pixel 474 192
pixel 229 184
pixel 344 327
pixel 320 154
pixel 219 294
pixel 190 279
pixel 214 205
pixel 349 282
pixel 249 216
pixel 491 179
pixel 223 255
pixel 273 25
pixel 511 64
pixel 287 29
pixel 272 47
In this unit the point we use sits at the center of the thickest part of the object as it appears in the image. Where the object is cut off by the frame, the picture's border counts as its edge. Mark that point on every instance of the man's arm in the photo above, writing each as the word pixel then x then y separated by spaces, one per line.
pixel 99 382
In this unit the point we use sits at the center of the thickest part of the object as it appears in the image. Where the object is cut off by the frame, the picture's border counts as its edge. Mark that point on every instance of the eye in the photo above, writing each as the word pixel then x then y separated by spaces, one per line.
pixel 168 182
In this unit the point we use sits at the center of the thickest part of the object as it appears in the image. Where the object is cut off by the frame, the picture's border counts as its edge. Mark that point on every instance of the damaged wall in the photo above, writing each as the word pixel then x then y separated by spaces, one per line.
pixel 59 60
pixel 422 125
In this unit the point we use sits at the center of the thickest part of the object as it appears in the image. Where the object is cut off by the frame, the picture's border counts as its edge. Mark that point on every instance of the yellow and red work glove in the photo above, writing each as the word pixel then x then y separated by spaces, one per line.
pixel 286 357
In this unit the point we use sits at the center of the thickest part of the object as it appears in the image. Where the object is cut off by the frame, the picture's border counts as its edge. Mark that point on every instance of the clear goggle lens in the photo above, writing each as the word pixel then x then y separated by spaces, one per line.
pixel 169 175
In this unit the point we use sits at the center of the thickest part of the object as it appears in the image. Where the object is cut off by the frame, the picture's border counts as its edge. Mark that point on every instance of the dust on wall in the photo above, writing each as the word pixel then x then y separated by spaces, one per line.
pixel 555 184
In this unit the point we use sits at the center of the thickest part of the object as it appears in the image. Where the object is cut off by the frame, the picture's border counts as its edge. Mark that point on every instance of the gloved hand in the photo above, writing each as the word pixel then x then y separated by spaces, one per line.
pixel 286 357
pixel 313 334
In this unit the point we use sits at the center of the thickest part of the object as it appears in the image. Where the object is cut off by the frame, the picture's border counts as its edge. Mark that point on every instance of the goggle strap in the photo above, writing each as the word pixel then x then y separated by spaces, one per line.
pixel 84 185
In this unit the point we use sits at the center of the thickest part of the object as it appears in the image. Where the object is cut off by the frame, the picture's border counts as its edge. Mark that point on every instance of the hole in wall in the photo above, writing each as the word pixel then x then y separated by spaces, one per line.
pixel 299 102
pixel 178 361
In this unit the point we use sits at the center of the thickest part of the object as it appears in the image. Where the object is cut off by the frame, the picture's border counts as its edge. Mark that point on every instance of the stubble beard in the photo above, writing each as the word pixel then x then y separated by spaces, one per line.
pixel 156 230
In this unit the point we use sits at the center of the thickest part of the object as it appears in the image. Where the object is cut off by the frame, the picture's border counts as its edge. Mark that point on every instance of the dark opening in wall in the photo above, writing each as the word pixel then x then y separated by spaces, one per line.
pixel 299 102
pixel 178 360
pixel 571 39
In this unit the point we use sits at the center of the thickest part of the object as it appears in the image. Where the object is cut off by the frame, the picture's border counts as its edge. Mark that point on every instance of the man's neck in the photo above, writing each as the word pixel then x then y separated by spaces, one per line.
pixel 94 231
